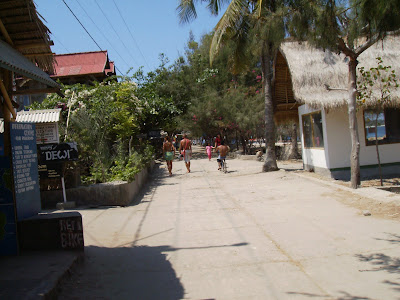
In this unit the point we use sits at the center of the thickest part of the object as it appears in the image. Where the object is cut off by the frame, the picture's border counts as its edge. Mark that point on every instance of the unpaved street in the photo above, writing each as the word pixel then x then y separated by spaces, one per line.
pixel 241 235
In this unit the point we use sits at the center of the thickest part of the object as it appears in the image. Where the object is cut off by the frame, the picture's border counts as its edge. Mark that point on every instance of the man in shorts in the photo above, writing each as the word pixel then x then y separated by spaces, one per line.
pixel 185 148
pixel 223 151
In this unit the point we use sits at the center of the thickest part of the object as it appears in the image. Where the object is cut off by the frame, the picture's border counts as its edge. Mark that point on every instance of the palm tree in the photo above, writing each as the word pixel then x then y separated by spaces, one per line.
pixel 261 22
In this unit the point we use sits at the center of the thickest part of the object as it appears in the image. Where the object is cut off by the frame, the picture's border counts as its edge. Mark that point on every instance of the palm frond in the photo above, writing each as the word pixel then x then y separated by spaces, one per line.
pixel 231 19
pixel 214 6
pixel 187 11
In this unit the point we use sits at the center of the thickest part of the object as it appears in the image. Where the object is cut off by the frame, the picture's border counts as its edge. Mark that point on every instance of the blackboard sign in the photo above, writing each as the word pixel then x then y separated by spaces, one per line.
pixel 25 169
pixel 53 153
pixel 50 171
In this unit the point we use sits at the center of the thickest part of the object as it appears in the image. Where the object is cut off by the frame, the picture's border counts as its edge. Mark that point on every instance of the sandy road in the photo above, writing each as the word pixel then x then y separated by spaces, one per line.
pixel 241 235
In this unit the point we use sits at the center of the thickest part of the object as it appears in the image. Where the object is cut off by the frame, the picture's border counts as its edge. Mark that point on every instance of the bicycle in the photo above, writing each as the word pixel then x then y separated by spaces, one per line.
pixel 224 166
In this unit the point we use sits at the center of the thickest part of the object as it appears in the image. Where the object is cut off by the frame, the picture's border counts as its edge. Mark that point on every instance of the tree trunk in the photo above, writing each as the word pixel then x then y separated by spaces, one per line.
pixel 243 140
pixel 266 69
pixel 355 143
pixel 377 147
pixel 294 152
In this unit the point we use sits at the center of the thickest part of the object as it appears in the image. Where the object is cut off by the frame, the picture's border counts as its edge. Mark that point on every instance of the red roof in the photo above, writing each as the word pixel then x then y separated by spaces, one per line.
pixel 81 63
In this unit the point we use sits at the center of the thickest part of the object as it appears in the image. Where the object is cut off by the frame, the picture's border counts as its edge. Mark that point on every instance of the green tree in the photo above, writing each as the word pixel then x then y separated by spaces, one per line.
pixel 351 27
pixel 375 86
pixel 260 26
pixel 104 119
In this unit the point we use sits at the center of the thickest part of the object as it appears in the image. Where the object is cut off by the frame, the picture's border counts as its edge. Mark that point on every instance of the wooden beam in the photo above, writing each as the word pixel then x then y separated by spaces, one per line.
pixel 31 45
pixel 7 99
pixel 38 54
pixel 5 33
pixel 36 91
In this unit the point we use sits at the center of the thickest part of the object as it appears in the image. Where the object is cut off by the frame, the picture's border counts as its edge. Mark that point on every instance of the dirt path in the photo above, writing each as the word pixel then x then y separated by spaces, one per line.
pixel 241 235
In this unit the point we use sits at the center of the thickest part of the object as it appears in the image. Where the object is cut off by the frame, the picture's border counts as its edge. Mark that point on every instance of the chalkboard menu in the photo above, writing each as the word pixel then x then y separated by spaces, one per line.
pixel 25 169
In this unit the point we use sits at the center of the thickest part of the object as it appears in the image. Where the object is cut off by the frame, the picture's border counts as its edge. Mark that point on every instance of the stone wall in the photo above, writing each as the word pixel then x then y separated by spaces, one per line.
pixel 119 193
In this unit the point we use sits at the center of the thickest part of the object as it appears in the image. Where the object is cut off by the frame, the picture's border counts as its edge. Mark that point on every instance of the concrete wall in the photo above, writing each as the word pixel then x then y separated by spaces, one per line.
pixel 334 159
pixel 119 193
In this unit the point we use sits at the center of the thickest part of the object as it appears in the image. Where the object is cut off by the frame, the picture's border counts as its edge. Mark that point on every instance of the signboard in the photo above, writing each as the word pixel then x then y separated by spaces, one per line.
pixel 25 169
pixel 8 226
pixel 47 133
pixel 53 153
pixel 50 171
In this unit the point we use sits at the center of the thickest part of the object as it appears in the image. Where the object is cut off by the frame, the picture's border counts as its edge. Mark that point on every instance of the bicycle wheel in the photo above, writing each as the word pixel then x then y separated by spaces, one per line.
pixel 225 167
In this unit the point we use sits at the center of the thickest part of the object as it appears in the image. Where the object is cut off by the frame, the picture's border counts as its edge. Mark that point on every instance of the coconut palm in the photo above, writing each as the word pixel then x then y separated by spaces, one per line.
pixel 259 23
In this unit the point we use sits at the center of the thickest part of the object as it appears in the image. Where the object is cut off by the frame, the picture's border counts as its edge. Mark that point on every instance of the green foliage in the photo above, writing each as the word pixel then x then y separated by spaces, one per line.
pixel 376 84
pixel 220 102
pixel 104 119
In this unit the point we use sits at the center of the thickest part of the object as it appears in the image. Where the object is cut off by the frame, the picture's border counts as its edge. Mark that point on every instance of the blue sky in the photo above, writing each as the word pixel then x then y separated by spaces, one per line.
pixel 154 28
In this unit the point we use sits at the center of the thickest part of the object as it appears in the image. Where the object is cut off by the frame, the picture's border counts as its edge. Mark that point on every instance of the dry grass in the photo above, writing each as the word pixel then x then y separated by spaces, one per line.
pixel 381 209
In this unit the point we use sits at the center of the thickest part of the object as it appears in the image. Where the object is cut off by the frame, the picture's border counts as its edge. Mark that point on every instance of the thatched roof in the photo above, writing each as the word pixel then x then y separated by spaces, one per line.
pixel 25 31
pixel 313 70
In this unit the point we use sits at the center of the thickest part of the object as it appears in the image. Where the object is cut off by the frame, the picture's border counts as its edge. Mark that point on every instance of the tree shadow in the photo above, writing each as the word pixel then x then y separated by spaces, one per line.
pixel 393 238
pixel 381 262
pixel 343 296
pixel 138 272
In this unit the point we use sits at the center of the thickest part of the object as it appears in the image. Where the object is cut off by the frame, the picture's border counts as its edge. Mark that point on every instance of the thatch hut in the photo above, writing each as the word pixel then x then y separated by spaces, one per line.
pixel 314 84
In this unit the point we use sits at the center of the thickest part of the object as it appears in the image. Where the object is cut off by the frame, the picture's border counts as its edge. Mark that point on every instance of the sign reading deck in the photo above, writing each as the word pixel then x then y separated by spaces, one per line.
pixel 25 169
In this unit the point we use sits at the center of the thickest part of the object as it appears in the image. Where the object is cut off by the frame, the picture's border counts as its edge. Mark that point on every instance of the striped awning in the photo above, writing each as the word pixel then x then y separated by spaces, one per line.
pixel 39 116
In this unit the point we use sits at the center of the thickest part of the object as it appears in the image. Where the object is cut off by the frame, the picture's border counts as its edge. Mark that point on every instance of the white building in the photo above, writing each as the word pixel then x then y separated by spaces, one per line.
pixel 318 82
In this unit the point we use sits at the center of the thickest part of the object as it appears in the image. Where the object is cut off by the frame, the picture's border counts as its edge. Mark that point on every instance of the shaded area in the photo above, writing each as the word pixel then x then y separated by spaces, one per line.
pixel 124 273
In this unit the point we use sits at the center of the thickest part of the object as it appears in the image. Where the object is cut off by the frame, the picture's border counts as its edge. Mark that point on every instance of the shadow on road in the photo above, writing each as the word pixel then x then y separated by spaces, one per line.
pixel 139 272
pixel 342 296
pixel 382 262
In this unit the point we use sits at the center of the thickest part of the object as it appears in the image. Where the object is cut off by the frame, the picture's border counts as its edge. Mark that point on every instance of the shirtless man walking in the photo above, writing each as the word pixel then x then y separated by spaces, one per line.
pixel 223 151
pixel 185 148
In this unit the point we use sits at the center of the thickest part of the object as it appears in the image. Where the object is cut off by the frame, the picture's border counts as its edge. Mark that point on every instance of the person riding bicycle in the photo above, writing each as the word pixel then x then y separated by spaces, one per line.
pixel 223 151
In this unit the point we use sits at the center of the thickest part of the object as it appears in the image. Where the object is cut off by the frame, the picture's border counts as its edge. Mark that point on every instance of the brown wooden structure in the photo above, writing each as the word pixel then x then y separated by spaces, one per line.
pixel 25 55
pixel 285 105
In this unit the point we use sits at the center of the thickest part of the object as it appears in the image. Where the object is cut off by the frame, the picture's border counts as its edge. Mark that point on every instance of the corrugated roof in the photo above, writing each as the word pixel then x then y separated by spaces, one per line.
pixel 80 63
pixel 39 116
pixel 14 61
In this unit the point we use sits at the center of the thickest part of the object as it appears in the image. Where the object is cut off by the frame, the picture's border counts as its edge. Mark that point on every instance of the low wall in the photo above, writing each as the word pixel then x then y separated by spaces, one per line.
pixel 119 193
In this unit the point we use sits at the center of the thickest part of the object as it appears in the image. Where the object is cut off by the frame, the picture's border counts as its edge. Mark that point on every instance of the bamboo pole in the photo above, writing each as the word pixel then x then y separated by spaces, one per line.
pixel 5 33
pixel 7 100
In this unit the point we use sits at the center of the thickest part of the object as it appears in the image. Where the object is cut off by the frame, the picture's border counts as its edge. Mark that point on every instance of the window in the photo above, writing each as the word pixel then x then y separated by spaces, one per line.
pixel 385 125
pixel 312 130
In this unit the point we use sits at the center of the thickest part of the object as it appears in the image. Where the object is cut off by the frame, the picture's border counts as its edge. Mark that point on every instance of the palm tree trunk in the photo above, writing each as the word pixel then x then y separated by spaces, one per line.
pixel 355 143
pixel 266 69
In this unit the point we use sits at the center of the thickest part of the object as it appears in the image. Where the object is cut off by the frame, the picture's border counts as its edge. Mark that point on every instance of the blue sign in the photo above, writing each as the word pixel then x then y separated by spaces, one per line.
pixel 25 169
pixel 8 227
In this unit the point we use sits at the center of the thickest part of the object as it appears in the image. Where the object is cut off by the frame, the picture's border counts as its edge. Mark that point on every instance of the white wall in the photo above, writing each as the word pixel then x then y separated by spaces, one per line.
pixel 337 142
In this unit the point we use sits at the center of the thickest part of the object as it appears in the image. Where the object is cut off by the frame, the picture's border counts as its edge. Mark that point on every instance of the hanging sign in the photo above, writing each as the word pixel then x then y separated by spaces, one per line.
pixel 53 153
